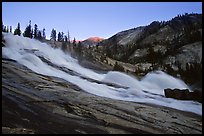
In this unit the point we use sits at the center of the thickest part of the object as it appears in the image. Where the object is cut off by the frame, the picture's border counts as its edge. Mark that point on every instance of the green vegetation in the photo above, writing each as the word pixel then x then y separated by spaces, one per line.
pixel 17 30
pixel 192 73
pixel 118 67
pixel 53 35
pixel 28 31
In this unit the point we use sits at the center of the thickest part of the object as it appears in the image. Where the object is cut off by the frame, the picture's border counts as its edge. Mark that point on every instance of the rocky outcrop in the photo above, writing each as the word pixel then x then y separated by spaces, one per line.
pixel 184 94
pixel 166 37
pixel 34 103
pixel 8 130
pixel 172 46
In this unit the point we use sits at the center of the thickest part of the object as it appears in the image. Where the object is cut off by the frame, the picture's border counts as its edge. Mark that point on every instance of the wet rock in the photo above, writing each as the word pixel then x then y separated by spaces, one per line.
pixel 7 130
pixel 34 103
pixel 184 94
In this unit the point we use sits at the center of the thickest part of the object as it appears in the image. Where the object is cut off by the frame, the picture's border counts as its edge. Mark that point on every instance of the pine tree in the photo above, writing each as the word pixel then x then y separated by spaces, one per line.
pixel 44 36
pixel 62 36
pixel 53 35
pixel 39 35
pixel 7 29
pixel 31 34
pixel 10 29
pixel 68 41
pixel 74 42
pixel 65 38
pixel 59 37
pixel 17 30
pixel 64 46
pixel 79 51
pixel 28 31
pixel 68 38
pixel 74 45
pixel 4 29
pixel 79 47
pixel 35 31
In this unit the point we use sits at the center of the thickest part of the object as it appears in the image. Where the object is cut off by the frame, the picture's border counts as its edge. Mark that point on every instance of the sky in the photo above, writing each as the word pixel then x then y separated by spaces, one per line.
pixel 88 19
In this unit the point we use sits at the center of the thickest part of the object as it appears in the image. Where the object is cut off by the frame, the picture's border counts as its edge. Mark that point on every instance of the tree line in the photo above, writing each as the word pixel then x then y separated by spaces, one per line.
pixel 29 32
pixel 38 34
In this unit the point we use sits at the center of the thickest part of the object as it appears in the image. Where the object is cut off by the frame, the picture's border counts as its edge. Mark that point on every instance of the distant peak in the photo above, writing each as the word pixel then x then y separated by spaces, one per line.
pixel 95 39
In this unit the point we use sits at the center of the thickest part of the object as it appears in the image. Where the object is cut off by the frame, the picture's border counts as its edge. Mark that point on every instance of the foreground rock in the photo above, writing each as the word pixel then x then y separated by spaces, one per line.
pixel 183 94
pixel 33 103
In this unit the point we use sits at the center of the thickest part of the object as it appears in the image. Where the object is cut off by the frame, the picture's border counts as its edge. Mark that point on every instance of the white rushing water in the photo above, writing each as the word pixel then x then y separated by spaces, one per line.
pixel 150 89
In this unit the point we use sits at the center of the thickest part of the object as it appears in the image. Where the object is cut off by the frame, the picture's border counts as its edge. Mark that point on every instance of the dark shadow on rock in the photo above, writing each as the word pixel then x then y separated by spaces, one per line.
pixel 184 94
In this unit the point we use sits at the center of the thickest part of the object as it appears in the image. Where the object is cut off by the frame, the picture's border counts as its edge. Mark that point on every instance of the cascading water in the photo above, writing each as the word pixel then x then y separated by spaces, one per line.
pixel 150 89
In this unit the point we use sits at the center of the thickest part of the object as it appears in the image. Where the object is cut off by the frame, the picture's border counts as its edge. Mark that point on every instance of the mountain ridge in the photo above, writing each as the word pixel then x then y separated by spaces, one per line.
pixel 160 45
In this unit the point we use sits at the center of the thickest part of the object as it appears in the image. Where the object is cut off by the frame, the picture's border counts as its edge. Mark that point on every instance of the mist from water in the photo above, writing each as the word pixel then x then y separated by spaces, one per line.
pixel 150 89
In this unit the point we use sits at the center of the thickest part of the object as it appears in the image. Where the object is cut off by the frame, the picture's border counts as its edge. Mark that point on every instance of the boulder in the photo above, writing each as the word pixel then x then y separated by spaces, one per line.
pixel 183 94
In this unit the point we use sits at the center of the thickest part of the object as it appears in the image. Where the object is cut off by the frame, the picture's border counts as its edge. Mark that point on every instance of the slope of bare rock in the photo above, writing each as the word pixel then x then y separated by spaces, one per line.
pixel 34 103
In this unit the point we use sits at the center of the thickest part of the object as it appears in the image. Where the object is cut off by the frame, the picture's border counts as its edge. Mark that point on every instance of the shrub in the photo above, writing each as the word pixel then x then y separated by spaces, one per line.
pixel 118 67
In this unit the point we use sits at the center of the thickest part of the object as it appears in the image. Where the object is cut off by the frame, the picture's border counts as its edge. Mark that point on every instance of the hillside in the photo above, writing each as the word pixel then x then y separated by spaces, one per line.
pixel 174 46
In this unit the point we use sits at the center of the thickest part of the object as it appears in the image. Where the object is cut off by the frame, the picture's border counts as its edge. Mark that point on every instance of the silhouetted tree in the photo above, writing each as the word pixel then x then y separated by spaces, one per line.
pixel 44 36
pixel 53 35
pixel 17 30
pixel 31 34
pixel 39 36
pixel 68 41
pixel 79 47
pixel 35 31
pixel 7 29
pixel 10 29
pixel 60 38
pixel 74 46
pixel 28 31
pixel 79 51
pixel 68 38
pixel 74 43
pixel 4 29
pixel 65 38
